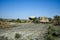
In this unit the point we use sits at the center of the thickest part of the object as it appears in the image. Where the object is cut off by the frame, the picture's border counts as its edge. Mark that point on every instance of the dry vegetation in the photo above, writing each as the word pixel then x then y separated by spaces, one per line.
pixel 4 24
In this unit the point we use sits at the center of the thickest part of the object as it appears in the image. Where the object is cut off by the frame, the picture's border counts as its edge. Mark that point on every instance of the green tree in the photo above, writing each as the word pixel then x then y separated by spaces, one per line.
pixel 36 20
pixel 56 20
pixel 50 20
pixel 18 20
pixel 1 19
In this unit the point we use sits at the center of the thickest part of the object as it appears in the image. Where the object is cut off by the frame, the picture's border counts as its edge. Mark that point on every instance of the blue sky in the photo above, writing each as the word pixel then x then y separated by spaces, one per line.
pixel 24 8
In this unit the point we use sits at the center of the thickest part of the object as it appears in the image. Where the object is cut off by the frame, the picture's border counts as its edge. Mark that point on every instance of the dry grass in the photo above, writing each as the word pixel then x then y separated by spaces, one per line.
pixel 4 24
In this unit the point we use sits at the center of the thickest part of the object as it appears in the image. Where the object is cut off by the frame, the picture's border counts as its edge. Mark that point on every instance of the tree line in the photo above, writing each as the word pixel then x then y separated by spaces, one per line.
pixel 55 20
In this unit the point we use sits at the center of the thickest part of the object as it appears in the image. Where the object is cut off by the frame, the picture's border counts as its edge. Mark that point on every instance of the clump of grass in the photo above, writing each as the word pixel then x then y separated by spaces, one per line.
pixel 17 35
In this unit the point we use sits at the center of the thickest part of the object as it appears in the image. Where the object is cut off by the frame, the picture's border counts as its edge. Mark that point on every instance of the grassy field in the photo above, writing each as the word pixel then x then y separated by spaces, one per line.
pixel 25 31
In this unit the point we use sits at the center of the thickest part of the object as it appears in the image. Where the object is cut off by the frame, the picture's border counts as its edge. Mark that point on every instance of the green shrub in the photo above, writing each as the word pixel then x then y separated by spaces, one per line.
pixel 18 35
pixel 31 39
pixel 3 38
pixel 52 33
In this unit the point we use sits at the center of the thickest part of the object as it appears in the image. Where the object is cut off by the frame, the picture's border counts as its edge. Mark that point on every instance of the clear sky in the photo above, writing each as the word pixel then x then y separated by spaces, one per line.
pixel 25 8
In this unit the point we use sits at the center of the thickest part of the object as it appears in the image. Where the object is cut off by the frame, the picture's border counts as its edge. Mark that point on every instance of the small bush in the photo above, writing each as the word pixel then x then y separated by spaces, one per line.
pixel 18 35
pixel 3 38
pixel 31 39
pixel 52 33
